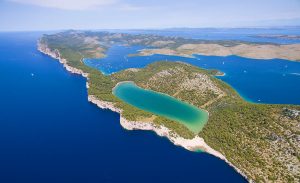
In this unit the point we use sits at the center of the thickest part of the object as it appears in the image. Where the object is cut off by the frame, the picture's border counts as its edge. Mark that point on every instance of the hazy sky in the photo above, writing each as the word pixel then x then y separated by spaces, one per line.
pixel 101 14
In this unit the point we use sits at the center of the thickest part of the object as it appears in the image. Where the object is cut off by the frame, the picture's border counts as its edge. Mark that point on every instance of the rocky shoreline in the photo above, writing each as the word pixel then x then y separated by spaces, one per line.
pixel 56 55
pixel 197 143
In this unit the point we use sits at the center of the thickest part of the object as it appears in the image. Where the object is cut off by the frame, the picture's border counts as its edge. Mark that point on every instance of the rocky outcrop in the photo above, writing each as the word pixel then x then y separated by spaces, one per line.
pixel 55 54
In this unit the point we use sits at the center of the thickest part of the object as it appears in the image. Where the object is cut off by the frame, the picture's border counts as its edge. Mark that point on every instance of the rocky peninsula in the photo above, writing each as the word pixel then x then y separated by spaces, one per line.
pixel 189 144
pixel 259 140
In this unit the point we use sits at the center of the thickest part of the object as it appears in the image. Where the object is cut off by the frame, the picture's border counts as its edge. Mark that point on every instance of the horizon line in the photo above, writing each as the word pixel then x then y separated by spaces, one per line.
pixel 166 28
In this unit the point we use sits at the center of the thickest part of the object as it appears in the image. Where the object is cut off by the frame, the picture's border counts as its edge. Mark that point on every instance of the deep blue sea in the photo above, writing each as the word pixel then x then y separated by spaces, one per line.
pixel 49 132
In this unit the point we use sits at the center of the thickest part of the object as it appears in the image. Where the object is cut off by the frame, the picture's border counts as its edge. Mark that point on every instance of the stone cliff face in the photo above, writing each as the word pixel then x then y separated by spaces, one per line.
pixel 56 55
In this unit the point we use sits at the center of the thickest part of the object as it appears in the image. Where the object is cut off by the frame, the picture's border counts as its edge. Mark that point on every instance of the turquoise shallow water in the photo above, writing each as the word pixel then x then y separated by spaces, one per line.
pixel 163 105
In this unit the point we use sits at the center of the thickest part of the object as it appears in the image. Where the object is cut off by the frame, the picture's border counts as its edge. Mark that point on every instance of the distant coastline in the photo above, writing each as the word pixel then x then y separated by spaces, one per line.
pixel 289 52
pixel 278 36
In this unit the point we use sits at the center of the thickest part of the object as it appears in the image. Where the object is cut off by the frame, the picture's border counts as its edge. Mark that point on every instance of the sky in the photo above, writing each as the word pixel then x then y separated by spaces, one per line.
pixel 25 15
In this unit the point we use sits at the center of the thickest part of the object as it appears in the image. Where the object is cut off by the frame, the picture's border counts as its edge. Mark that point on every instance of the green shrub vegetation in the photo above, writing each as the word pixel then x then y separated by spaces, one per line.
pixel 259 139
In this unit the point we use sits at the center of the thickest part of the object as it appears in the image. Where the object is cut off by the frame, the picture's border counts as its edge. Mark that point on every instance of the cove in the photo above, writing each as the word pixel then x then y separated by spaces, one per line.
pixel 163 105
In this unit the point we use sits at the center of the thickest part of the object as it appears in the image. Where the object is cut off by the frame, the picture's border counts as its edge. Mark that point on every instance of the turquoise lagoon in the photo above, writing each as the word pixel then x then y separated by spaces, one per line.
pixel 163 105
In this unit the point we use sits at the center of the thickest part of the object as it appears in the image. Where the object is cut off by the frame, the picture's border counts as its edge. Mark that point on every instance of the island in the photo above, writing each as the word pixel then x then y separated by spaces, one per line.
pixel 261 141
pixel 278 36
pixel 256 51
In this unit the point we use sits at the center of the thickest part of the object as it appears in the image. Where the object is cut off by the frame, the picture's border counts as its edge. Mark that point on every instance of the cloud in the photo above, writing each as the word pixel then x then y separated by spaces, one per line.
pixel 68 4
pixel 129 7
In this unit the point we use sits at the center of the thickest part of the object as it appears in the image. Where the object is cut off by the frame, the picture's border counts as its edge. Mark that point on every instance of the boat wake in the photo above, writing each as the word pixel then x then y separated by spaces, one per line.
pixel 295 73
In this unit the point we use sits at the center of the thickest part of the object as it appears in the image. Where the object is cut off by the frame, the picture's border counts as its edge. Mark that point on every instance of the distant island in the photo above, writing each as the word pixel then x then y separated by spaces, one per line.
pixel 278 36
pixel 260 141
pixel 248 50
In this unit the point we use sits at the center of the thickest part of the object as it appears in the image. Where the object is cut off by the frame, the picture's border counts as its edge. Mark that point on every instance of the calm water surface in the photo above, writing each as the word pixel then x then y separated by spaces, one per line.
pixel 163 105
pixel 239 34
